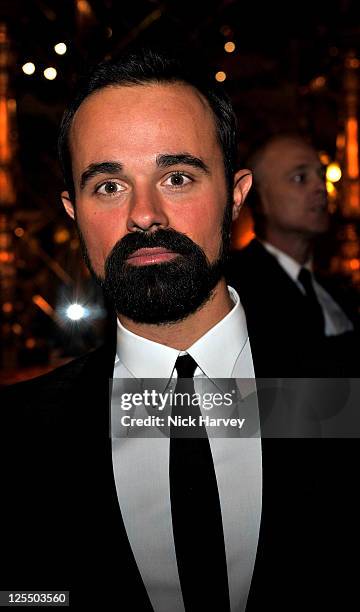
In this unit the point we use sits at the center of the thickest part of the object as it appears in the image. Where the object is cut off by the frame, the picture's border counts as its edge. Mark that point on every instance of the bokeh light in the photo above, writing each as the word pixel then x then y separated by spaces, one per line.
pixel 50 73
pixel 28 68
pixel 333 172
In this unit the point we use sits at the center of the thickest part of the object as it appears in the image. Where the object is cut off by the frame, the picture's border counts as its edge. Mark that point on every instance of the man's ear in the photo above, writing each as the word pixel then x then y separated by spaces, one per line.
pixel 68 205
pixel 242 184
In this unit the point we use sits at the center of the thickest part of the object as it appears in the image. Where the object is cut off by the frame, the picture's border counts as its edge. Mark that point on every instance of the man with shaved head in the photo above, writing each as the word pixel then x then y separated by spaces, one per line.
pixel 297 326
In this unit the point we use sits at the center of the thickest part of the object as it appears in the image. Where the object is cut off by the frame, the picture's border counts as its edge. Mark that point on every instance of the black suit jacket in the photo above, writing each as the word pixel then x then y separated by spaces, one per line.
pixel 61 527
pixel 60 519
pixel 278 321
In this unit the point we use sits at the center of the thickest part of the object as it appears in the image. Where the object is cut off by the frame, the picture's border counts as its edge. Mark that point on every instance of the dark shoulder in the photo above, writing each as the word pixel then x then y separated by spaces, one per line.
pixel 245 265
pixel 252 253
pixel 50 387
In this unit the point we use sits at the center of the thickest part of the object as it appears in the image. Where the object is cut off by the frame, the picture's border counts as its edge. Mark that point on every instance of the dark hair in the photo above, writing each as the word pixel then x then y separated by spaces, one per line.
pixel 150 66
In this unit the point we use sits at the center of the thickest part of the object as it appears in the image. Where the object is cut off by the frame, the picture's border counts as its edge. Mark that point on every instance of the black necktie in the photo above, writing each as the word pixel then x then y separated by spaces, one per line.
pixel 316 316
pixel 195 507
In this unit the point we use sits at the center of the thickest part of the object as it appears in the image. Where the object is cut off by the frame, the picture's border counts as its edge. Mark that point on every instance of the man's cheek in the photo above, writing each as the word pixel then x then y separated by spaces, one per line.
pixel 97 253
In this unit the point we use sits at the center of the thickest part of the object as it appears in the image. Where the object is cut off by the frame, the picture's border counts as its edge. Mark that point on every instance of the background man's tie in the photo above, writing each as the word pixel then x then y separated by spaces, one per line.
pixel 317 321
pixel 195 506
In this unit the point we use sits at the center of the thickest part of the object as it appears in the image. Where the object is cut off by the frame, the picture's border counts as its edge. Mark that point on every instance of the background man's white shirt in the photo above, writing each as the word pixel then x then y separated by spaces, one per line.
pixel 336 321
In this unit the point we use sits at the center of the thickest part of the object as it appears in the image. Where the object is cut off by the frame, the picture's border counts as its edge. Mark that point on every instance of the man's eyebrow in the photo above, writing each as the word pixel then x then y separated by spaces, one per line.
pixel 300 167
pixel 307 166
pixel 174 159
pixel 92 170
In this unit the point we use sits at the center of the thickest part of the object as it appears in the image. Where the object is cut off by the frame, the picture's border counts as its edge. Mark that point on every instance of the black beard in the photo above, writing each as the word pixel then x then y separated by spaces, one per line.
pixel 161 293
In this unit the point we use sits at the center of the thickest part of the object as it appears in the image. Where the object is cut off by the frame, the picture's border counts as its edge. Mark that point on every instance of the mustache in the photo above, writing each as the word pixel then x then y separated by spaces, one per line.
pixel 167 238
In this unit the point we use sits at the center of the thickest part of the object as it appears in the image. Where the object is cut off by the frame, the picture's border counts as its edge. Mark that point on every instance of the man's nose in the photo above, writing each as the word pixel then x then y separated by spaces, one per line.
pixel 146 212
pixel 320 183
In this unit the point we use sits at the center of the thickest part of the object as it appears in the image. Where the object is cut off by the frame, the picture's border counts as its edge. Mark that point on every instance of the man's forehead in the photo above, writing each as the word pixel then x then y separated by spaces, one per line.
pixel 287 155
pixel 118 97
pixel 120 110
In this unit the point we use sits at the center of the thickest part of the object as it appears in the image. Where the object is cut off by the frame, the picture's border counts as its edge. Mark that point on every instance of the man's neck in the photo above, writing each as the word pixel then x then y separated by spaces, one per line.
pixel 182 334
pixel 297 246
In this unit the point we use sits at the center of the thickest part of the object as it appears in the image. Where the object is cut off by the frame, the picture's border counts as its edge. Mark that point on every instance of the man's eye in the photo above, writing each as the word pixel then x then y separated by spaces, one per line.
pixel 177 179
pixel 299 178
pixel 109 188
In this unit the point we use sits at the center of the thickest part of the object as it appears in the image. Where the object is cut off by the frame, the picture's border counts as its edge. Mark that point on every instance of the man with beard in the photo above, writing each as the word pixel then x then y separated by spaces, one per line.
pixel 148 152
pixel 296 324
pixel 141 523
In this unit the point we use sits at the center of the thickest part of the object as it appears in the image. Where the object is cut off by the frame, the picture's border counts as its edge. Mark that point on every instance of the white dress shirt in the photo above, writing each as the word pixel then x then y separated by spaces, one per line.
pixel 336 321
pixel 141 465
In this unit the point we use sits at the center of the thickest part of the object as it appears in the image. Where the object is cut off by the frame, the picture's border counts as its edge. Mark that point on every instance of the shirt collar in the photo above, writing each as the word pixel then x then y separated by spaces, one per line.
pixel 147 359
pixel 290 265
pixel 217 351
pixel 142 357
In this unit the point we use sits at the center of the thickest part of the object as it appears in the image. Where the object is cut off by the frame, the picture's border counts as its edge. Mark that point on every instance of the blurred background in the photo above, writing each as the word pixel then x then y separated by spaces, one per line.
pixel 286 67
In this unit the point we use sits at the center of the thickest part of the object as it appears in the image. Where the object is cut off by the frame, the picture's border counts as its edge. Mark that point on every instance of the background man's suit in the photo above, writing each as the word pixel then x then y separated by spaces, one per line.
pixel 62 528
pixel 278 323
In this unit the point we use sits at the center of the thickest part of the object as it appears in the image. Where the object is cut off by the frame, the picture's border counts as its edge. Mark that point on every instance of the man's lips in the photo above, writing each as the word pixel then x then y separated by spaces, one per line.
pixel 154 255
pixel 319 208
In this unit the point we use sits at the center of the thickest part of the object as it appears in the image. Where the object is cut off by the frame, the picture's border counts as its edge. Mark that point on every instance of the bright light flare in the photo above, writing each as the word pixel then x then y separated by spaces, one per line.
pixel 333 173
pixel 75 312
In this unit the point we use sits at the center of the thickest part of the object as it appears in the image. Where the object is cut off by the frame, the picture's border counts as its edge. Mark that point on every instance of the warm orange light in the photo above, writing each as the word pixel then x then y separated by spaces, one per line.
pixel 7 307
pixel 30 343
pixel 354 195
pixel 354 264
pixel 352 62
pixel 242 230
pixel 11 105
pixel 340 141
pixel 43 305
pixel 4 131
pixel 352 148
pixel 84 7
pixel 19 232
pixel 324 158
pixel 229 47
pixel 318 82
pixel 6 257
pixel 7 193
pixel 220 76
pixel 350 233
pixel 350 250
pixel 330 188
pixel 61 235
